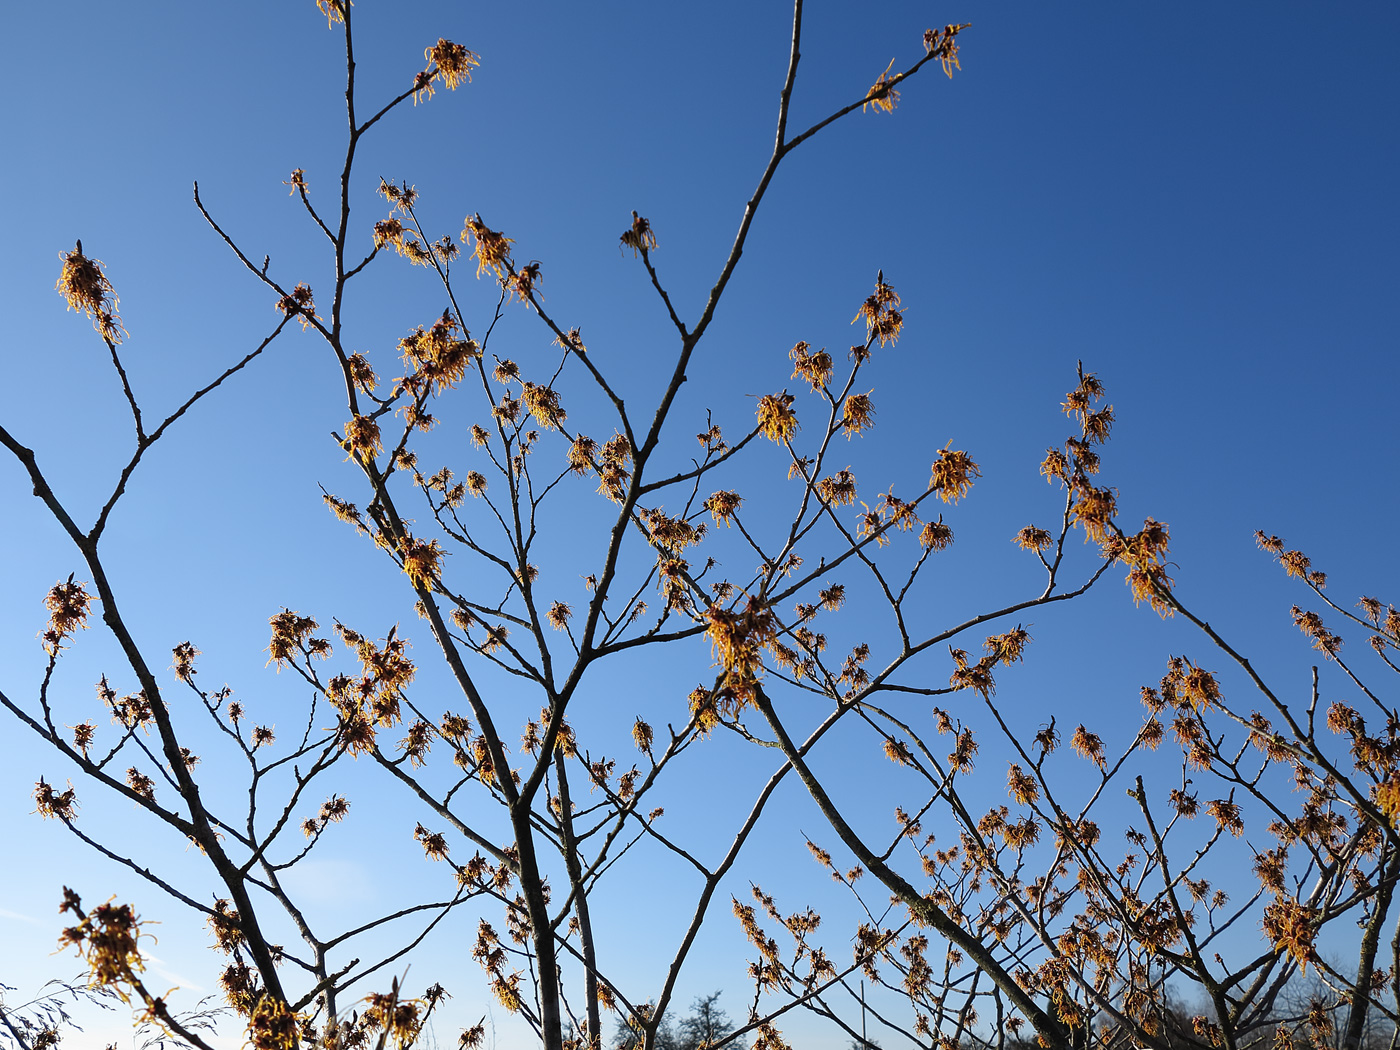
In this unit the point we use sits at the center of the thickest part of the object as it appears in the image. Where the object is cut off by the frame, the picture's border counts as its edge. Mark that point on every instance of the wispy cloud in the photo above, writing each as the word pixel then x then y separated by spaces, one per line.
pixel 17 917
pixel 158 966
pixel 334 883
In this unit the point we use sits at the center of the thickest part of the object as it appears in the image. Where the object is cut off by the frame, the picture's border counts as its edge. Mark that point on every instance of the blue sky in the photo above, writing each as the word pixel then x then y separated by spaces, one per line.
pixel 1200 208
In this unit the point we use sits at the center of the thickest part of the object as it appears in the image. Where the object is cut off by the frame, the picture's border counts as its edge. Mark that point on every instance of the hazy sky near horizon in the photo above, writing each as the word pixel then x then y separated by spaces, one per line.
pixel 1202 209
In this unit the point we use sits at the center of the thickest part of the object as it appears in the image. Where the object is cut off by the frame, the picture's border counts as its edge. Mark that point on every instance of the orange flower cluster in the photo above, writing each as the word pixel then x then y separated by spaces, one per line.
pixel 1292 927
pixel 738 637
pixel 670 534
pixel 107 939
pixel 392 232
pixel 839 489
pixel 437 357
pixel 400 196
pixel 50 803
pixel 882 94
pixel 334 10
pixel 370 700
pixel 454 62
pixel 84 284
pixel 942 44
pixel 639 236
pixel 299 303
pixel 815 369
pixel 492 249
pixel 291 634
pixel 612 465
pixel 183 664
pixel 542 402
pixel 69 604
pixel 1145 554
pixel 448 62
pixel 936 535
pixel 421 561
pixel 723 506
pixel 776 419
pixel 883 319
pixel 953 474
pixel 858 414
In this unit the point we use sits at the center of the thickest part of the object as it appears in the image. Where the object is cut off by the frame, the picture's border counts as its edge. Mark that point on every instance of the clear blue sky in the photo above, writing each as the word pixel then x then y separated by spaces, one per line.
pixel 1201 207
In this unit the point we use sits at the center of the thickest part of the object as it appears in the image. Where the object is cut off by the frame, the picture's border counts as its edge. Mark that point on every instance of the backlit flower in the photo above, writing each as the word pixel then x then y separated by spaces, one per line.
pixel 882 94
pixel 492 249
pixel 639 237
pixel 776 418
pixel 362 437
pixel 952 474
pixel 814 368
pixel 454 62
pixel 88 291
pixel 1032 538
pixel 858 415
pixel 940 43
pixel 334 10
